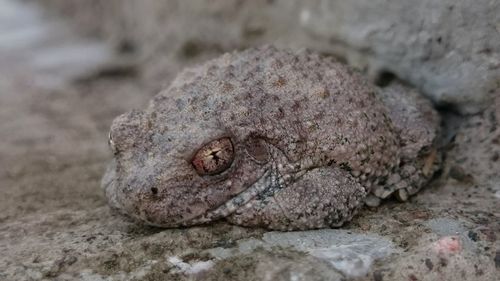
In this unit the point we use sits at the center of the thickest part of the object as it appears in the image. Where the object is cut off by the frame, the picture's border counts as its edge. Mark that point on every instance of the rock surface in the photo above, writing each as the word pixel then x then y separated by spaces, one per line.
pixel 55 223
pixel 449 49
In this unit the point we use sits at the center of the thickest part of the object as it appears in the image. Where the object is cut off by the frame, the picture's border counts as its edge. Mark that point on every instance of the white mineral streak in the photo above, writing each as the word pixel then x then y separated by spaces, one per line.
pixel 190 268
pixel 352 254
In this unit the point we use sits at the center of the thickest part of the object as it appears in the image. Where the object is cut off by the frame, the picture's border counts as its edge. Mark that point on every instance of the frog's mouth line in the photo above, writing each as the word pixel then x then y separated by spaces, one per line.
pixel 265 187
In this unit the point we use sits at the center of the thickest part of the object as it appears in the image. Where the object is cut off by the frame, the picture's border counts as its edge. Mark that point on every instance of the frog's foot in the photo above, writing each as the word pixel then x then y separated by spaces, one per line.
pixel 400 188
pixel 408 180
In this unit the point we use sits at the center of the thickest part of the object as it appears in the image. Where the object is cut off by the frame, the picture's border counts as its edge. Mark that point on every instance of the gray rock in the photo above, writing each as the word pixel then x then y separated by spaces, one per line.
pixel 352 254
pixel 449 49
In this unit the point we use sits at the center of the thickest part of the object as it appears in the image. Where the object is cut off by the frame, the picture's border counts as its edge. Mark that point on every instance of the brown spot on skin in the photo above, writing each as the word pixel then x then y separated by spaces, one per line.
pixel 497 259
pixel 227 87
pixel 248 96
pixel 496 140
pixel 280 114
pixel 323 94
pixel 495 156
pixel 320 115
pixel 277 64
pixel 280 82
pixel 429 264
pixel 355 123
pixel 213 158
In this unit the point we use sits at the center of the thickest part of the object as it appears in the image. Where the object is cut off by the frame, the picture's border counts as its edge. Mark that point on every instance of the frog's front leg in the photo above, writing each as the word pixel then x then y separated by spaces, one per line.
pixel 321 197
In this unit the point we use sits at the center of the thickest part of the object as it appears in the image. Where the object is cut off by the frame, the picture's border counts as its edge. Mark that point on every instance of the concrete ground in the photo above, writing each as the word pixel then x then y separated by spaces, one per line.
pixel 55 109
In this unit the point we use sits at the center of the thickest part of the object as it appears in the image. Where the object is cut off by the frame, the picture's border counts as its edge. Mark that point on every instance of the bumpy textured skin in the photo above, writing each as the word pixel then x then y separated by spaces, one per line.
pixel 311 138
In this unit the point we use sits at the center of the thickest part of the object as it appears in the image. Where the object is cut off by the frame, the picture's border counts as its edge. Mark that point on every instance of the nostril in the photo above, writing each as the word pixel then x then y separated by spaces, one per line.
pixel 154 190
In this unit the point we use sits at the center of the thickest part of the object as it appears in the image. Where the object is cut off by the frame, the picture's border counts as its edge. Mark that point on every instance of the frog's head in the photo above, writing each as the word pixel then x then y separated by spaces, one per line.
pixel 176 163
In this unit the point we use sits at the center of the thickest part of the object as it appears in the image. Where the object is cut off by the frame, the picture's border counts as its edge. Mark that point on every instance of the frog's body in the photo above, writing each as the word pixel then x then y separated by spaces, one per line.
pixel 269 138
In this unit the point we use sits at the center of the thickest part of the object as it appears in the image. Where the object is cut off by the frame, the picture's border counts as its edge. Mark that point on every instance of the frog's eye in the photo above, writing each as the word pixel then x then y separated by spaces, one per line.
pixel 213 158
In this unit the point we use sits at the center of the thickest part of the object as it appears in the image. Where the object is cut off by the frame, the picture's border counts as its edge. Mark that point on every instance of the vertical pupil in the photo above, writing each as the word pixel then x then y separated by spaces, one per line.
pixel 215 157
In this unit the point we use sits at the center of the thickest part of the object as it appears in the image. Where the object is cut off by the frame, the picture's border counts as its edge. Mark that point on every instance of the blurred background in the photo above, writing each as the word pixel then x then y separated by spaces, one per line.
pixel 68 67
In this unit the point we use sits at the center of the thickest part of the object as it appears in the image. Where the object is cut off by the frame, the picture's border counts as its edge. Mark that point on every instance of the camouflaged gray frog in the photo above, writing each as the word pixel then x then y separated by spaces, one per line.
pixel 270 138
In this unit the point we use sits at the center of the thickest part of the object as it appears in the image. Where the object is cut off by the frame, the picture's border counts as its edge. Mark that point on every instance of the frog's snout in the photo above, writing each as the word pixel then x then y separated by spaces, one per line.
pixel 126 131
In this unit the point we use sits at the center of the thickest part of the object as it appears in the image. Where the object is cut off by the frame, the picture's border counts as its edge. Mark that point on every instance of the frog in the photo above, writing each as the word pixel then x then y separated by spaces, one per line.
pixel 271 138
